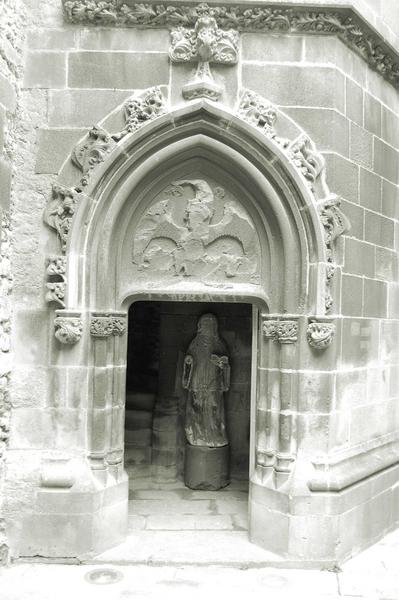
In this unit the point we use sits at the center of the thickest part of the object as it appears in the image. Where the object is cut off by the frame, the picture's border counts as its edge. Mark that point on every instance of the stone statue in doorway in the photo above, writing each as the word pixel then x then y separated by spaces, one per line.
pixel 206 376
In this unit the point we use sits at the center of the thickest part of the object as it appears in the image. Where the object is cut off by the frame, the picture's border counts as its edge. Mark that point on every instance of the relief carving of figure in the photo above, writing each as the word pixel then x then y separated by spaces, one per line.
pixel 206 376
pixel 196 231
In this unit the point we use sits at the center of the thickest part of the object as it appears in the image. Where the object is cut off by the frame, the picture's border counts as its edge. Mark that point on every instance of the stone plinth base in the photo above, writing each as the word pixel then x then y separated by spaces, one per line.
pixel 206 468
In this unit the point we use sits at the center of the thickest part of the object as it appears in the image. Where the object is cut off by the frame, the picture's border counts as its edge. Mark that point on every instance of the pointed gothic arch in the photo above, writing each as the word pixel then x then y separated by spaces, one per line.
pixel 278 189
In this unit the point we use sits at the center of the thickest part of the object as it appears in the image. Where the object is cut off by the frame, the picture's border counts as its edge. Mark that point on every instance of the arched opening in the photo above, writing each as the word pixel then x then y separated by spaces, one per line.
pixel 159 334
pixel 198 208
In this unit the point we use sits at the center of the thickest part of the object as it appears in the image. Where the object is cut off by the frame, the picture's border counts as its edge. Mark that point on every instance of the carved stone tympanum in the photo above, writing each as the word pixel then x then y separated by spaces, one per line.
pixel 195 230
pixel 206 376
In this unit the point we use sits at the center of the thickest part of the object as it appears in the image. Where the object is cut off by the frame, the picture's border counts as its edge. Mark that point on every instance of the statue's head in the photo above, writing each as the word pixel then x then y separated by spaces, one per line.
pixel 208 324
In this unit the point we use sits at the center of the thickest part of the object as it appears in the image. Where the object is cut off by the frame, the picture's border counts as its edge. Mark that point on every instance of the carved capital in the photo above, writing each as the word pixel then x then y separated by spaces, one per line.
pixel 269 328
pixel 105 325
pixel 59 212
pixel 320 334
pixel 287 331
pixel 68 327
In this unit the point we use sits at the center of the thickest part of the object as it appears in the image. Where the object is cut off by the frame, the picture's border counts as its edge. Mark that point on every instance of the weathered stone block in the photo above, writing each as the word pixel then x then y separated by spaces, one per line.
pixel 386 265
pixel 82 108
pixel 329 50
pixel 2 126
pixel 136 40
pixel 361 146
pixel 351 389
pixel 51 39
pixel 5 184
pixel 370 190
pixel 269 528
pixel 343 177
pixel 379 230
pixel 355 215
pixel 303 86
pixel 54 146
pixel 372 114
pixel 360 342
pixel 386 161
pixel 45 70
pixel 375 298
pixel 390 200
pixel 316 392
pixel 390 127
pixel 282 48
pixel 334 138
pixel 7 94
pixel 354 102
pixel 117 70
pixel 359 258
pixel 352 295
pixel 393 301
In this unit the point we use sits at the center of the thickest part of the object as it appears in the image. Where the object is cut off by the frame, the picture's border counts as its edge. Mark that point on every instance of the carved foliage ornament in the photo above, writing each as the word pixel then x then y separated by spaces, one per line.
pixel 282 331
pixel 107 325
pixel 68 330
pixel 92 151
pixel 301 152
pixel 320 335
pixel 206 43
pixel 349 27
pixel 56 284
pixel 60 210
pixel 87 155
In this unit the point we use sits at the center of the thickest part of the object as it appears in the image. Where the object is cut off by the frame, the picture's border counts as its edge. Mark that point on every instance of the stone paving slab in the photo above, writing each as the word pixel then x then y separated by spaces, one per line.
pixel 188 548
pixel 63 582
pixel 193 522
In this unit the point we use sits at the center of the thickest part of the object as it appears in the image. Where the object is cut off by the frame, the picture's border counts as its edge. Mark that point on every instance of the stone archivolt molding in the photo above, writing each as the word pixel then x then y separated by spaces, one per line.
pixel 68 327
pixel 104 325
pixel 342 22
pixel 145 107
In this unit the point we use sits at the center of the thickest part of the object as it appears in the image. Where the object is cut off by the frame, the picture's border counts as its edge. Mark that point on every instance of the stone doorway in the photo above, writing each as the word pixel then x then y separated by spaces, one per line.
pixel 159 334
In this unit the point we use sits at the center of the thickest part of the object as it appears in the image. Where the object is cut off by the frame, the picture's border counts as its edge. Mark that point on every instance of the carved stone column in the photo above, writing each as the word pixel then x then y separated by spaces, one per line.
pixel 106 417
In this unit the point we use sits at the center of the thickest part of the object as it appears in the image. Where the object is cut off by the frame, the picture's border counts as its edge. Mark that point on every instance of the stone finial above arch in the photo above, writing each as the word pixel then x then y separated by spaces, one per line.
pixel 255 133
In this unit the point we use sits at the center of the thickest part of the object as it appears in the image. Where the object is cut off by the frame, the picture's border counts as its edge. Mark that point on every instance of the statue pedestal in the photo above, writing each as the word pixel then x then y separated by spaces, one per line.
pixel 206 468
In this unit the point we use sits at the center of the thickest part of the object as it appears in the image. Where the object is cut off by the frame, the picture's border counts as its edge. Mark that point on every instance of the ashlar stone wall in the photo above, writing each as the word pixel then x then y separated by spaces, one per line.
pixel 70 78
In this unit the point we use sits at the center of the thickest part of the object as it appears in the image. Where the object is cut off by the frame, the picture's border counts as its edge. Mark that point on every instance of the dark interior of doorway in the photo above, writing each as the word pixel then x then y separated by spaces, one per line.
pixel 159 335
